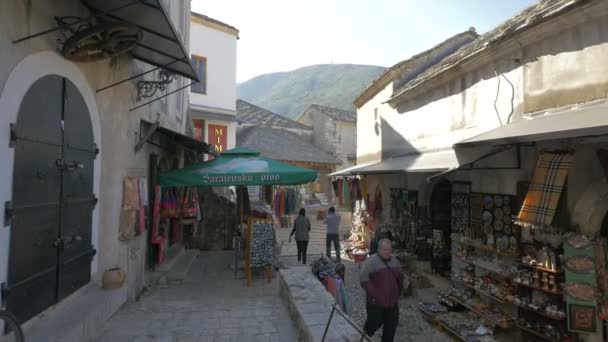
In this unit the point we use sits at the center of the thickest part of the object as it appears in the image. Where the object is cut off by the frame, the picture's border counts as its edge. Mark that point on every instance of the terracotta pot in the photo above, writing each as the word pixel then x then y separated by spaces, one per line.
pixel 113 278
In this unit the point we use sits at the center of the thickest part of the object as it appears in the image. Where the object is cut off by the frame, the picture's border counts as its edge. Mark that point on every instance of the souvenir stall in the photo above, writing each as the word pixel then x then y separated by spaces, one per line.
pixel 242 167
pixel 523 277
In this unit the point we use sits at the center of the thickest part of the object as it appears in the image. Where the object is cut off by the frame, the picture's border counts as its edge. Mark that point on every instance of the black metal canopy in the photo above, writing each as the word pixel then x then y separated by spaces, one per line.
pixel 160 45
pixel 151 130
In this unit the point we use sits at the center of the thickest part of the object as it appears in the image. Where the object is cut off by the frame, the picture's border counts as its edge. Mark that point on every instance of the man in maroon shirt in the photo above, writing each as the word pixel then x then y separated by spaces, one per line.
pixel 382 280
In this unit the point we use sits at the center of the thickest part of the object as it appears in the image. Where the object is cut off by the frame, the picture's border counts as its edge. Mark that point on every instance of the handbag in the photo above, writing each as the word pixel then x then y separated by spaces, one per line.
pixel 168 205
pixel 189 205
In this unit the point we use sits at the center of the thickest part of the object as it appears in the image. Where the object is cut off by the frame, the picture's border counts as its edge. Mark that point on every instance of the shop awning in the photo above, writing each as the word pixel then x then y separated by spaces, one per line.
pixel 349 171
pixel 239 166
pixel 422 162
pixel 160 45
pixel 153 132
pixel 571 122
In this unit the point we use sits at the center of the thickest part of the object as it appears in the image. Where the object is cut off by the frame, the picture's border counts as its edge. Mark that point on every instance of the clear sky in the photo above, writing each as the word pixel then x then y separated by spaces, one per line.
pixel 283 35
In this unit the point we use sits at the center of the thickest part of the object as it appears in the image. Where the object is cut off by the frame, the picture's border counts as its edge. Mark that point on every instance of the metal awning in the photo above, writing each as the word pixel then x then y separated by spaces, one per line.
pixel 150 130
pixel 349 171
pixel 421 162
pixel 566 122
pixel 160 45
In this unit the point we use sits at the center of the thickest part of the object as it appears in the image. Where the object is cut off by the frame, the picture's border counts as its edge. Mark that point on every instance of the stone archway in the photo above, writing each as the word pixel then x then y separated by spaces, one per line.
pixel 27 72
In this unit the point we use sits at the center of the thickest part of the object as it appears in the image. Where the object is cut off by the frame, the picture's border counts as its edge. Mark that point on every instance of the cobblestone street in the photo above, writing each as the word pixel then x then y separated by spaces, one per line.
pixel 208 306
pixel 412 325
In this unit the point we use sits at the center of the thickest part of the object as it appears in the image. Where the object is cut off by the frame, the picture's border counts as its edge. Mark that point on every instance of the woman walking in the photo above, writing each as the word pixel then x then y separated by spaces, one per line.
pixel 301 228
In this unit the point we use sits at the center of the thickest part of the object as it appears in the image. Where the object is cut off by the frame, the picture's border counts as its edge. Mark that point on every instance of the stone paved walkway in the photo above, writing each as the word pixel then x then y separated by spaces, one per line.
pixel 208 306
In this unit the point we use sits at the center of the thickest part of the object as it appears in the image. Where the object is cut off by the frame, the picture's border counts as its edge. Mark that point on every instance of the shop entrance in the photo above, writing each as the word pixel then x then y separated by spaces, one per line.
pixel 52 198
pixel 441 218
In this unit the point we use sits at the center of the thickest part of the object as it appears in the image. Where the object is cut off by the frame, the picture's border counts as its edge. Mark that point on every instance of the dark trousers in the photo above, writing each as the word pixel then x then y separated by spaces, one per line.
pixel 377 317
pixel 336 240
pixel 302 246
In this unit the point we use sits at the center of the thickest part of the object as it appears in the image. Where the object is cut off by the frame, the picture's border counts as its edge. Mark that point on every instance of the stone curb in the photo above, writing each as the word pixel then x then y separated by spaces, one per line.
pixel 310 306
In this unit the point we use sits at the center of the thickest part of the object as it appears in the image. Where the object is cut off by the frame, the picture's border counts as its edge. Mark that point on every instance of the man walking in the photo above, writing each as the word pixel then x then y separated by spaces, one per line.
pixel 382 280
pixel 332 222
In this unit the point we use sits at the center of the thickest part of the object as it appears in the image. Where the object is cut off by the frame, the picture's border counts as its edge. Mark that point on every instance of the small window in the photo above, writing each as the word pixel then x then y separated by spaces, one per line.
pixel 200 65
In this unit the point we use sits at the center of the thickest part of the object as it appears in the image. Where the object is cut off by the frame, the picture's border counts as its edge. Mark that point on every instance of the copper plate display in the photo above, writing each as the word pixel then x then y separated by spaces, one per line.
pixel 578 240
pixel 488 202
pixel 580 291
pixel 580 264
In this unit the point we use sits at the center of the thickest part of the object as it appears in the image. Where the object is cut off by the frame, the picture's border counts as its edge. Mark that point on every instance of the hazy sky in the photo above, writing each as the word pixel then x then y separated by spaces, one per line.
pixel 282 35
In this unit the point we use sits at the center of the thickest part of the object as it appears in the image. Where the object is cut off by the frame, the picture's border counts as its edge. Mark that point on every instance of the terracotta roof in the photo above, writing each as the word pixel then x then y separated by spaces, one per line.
pixel 282 145
pixel 536 14
pixel 216 22
pixel 252 114
pixel 411 63
pixel 334 113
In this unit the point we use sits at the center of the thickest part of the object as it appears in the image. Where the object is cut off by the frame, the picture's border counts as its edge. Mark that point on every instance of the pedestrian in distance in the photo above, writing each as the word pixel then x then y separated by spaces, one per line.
pixel 382 280
pixel 301 229
pixel 332 222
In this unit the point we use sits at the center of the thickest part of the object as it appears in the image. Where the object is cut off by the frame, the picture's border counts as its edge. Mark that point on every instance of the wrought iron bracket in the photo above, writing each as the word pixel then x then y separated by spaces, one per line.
pixel 147 89
pixel 9 213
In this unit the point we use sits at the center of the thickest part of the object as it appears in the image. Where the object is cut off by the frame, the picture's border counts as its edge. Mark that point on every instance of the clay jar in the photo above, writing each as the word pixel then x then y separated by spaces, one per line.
pixel 113 278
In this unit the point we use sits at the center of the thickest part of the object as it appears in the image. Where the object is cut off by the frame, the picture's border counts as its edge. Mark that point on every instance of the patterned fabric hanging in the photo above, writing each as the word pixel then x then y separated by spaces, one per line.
pixel 541 201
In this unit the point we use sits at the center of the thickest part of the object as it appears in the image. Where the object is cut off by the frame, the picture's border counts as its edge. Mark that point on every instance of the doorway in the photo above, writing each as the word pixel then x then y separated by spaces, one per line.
pixel 52 203
pixel 441 218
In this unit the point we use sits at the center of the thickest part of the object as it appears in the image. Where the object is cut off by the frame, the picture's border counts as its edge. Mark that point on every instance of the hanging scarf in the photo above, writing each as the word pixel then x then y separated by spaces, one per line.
pixel 340 192
pixel 541 202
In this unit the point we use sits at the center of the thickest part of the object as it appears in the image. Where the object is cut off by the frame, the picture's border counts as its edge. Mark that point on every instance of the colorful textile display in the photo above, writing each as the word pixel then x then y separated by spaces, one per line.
pixel 286 202
pixel 602 275
pixel 262 238
pixel 543 196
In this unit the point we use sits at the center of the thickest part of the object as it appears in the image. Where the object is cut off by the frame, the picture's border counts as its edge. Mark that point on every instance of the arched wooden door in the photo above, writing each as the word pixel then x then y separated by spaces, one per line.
pixel 52 203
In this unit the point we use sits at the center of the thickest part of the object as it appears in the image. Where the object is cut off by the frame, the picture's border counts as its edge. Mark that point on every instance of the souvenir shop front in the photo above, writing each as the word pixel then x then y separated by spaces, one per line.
pixel 529 242
pixel 242 168
pixel 413 213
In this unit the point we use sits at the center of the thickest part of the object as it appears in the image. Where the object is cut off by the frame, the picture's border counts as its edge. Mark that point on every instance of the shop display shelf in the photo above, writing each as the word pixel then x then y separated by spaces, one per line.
pixel 534 332
pixel 559 293
pixel 542 269
pixel 543 313
pixel 486 294
pixel 501 323
pixel 488 248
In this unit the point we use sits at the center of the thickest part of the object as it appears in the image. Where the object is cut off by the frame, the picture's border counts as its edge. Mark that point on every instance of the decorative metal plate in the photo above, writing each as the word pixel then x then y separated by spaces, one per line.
pixel 580 264
pixel 488 202
pixel 498 226
pixel 581 291
pixel 498 201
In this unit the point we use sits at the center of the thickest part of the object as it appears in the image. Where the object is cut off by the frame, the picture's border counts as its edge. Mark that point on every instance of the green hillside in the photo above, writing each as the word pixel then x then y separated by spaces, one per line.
pixel 289 93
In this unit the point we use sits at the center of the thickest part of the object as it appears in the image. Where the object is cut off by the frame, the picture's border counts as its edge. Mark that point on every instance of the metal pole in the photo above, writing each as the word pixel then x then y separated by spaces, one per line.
pixel 331 315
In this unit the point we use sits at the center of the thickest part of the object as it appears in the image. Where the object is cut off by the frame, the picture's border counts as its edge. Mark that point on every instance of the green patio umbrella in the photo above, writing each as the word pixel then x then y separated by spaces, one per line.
pixel 238 166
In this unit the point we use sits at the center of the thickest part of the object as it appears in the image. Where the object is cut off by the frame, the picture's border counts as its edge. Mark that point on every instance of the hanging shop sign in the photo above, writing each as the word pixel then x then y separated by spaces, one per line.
pixel 218 138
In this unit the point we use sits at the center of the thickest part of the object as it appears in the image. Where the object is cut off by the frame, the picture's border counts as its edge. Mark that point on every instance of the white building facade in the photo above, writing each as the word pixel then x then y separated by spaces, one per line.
pixel 213 102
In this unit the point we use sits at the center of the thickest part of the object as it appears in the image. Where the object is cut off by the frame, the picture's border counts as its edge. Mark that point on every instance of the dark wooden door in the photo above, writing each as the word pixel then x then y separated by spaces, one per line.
pixel 50 247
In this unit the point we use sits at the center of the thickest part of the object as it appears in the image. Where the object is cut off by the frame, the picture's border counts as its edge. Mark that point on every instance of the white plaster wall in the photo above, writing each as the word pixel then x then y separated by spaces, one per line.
pixel 220 50
pixel 559 63
pixel 116 128
pixel 369 133
pixel 347 139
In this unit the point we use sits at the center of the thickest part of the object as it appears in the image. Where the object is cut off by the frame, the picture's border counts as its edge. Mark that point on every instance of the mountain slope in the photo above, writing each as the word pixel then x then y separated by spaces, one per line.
pixel 289 93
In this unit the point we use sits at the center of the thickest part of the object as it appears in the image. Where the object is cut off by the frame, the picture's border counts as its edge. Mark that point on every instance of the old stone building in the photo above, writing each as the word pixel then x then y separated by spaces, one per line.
pixel 79 121
pixel 334 131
